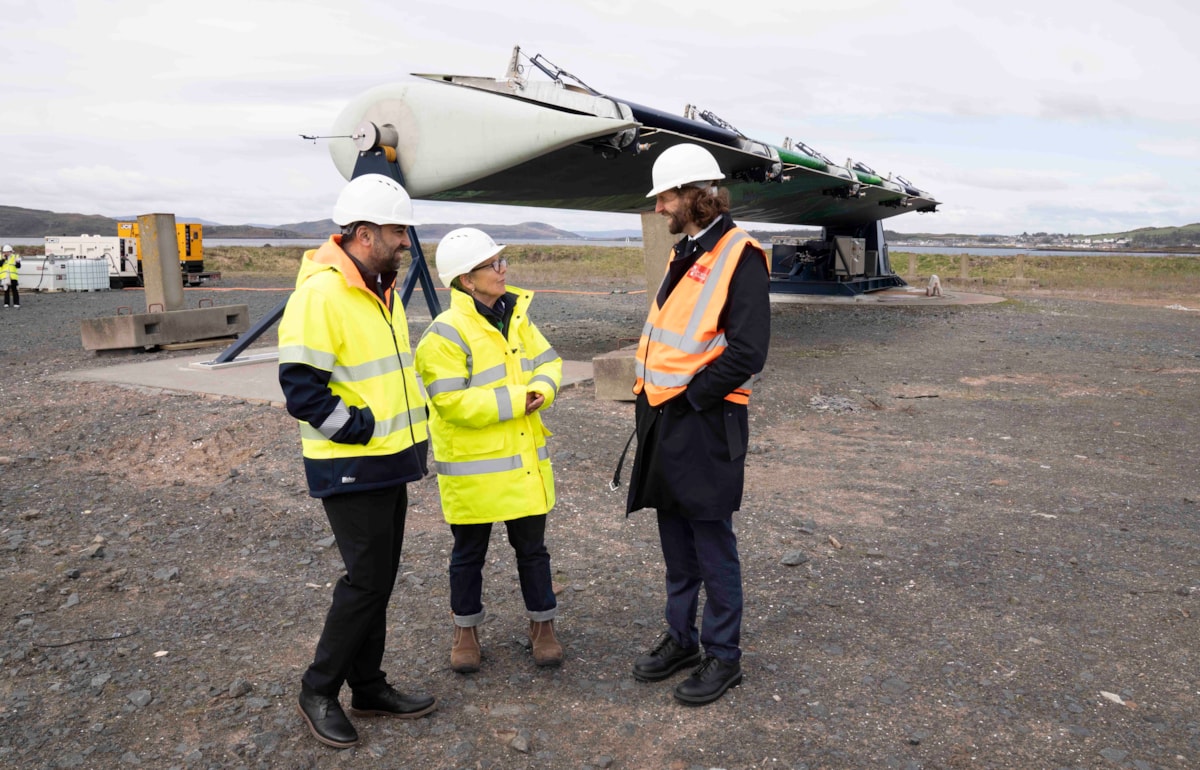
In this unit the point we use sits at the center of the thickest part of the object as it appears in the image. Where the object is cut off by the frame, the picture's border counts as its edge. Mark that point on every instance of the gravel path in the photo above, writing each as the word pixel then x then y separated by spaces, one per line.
pixel 970 540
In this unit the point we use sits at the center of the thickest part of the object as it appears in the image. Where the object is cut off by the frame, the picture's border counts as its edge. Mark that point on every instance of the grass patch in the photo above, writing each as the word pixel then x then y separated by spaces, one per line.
pixel 1118 274
pixel 551 266
pixel 530 266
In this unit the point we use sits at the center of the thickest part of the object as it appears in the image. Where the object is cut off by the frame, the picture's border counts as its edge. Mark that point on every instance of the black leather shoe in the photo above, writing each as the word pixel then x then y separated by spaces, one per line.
pixel 709 682
pixel 664 659
pixel 390 702
pixel 326 719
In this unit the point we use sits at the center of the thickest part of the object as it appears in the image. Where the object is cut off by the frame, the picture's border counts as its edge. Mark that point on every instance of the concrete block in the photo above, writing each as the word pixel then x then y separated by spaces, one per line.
pixel 144 330
pixel 614 374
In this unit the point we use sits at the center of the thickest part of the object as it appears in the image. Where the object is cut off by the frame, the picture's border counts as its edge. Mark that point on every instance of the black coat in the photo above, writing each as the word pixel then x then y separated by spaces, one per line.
pixel 691 452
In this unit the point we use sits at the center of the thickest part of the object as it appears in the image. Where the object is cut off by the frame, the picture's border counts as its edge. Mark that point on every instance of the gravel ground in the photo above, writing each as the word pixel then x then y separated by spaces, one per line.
pixel 970 540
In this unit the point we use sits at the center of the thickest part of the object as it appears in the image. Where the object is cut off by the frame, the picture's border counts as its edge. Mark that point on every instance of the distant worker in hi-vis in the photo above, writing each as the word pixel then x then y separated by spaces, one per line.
pixel 703 344
pixel 490 374
pixel 346 369
pixel 10 263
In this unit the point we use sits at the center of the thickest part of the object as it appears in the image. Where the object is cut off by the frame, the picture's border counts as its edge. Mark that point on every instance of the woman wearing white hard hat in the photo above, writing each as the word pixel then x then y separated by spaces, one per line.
pixel 489 372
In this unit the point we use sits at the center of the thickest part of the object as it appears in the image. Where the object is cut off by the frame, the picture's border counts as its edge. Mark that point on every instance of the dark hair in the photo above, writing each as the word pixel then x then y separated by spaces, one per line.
pixel 703 205
pixel 351 230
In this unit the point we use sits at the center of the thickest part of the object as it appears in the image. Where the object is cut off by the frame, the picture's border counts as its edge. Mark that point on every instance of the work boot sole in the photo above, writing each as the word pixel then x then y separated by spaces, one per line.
pixel 691 660
pixel 323 739
pixel 396 714
pixel 689 700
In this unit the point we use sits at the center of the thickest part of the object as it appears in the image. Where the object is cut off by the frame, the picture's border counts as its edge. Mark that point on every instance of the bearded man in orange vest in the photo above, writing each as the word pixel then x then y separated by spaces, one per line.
pixel 704 342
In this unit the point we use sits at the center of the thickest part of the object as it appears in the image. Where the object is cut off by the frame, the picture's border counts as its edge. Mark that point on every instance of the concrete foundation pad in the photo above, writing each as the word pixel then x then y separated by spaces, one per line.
pixel 901 295
pixel 145 330
pixel 253 376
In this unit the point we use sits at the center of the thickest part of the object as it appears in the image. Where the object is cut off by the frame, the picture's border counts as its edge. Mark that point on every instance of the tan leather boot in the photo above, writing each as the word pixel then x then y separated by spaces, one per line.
pixel 546 649
pixel 464 656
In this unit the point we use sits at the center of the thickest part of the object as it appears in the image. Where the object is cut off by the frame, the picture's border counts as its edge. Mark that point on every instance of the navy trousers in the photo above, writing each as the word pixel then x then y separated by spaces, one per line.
pixel 527 535
pixel 703 552
pixel 369 529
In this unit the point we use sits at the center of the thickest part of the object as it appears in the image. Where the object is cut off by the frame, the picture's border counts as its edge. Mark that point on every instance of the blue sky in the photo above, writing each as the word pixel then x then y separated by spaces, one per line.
pixel 1021 117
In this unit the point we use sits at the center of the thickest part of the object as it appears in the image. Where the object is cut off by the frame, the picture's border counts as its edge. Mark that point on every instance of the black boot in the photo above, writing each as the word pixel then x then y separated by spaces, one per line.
pixel 664 659
pixel 326 720
pixel 709 682
pixel 390 702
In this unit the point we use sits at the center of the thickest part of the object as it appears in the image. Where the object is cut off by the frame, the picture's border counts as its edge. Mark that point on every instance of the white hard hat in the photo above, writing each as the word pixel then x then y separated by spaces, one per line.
pixel 6 248
pixel 684 164
pixel 374 198
pixel 461 250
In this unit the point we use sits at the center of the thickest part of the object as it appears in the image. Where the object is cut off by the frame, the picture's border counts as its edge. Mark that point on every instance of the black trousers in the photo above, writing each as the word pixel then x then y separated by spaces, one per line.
pixel 16 295
pixel 703 553
pixel 369 528
pixel 527 535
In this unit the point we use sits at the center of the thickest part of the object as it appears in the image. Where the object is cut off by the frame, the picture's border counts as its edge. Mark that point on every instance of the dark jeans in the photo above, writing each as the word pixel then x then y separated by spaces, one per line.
pixel 369 528
pixel 16 295
pixel 527 536
pixel 703 552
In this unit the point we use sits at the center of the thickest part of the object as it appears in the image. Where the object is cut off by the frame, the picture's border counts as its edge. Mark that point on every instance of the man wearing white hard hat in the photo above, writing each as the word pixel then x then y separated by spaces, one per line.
pixel 490 373
pixel 704 343
pixel 346 369
pixel 10 263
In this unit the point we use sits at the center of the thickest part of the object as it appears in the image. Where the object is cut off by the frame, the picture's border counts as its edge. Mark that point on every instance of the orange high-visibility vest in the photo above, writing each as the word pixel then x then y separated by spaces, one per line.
pixel 682 337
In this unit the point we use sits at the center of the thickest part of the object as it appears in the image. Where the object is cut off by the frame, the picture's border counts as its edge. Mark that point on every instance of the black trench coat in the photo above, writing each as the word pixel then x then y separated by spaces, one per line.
pixel 691 450
pixel 689 463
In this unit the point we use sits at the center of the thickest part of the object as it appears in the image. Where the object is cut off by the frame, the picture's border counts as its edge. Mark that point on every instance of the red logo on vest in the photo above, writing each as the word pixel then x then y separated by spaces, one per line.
pixel 698 273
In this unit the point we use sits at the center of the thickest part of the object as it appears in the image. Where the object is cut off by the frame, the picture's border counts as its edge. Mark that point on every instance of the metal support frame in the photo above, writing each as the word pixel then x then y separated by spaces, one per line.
pixel 369 162
pixel 804 279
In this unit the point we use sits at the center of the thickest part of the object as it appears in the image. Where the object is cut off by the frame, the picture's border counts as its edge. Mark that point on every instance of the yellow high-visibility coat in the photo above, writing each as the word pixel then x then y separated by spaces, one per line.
pixel 490 456
pixel 346 368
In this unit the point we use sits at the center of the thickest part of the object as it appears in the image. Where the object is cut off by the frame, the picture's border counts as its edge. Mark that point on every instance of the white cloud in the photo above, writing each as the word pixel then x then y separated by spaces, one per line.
pixel 1021 117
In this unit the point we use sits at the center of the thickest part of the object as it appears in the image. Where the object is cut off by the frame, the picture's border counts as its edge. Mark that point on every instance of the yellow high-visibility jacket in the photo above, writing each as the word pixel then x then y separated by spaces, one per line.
pixel 490 456
pixel 346 368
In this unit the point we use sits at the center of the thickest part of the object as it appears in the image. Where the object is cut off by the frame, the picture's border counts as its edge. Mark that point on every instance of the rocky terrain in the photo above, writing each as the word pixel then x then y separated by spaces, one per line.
pixel 970 539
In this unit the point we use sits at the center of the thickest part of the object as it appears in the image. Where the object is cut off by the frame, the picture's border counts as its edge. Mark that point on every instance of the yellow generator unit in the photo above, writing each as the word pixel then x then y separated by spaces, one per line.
pixel 189 236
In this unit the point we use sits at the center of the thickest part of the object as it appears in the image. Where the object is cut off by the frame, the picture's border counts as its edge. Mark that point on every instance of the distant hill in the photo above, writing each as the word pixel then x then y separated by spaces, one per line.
pixel 32 223
pixel 19 222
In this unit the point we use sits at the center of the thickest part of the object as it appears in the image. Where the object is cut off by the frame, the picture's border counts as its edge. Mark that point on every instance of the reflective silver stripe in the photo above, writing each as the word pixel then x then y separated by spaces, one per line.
pixel 545 358
pixel 545 379
pixel 400 422
pixel 299 354
pixel 336 420
pixel 448 332
pixel 368 369
pixel 687 344
pixel 476 467
pixel 718 269
pixel 664 380
pixel 527 365
pixel 488 376
pixel 504 403
pixel 447 385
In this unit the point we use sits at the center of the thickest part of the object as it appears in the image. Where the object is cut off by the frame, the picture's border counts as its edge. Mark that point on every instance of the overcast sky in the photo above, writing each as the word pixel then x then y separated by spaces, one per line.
pixel 1020 116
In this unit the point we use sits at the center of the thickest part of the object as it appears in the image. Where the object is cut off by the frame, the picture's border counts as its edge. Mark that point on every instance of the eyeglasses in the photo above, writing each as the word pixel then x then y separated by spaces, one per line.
pixel 496 265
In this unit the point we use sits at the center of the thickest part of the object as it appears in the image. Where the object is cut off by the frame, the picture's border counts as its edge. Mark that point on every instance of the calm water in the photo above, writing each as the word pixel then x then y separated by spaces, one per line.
pixel 982 252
